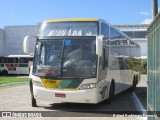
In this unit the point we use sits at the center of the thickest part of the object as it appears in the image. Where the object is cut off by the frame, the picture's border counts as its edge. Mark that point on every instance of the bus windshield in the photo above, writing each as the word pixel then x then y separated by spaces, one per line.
pixel 69 58
pixel 69 29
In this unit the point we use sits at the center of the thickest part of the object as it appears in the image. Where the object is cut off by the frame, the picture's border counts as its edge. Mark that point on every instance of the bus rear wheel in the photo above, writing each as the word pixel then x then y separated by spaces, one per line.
pixel 34 103
pixel 133 88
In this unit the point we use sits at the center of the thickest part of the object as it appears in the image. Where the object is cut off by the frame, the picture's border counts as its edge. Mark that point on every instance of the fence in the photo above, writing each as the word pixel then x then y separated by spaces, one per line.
pixel 153 99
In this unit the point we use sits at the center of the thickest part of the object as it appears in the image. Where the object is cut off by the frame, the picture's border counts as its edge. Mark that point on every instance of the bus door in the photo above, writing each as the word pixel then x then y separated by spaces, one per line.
pixel 102 68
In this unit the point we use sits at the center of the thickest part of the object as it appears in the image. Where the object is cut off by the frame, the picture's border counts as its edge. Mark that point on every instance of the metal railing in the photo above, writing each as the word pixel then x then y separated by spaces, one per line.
pixel 153 99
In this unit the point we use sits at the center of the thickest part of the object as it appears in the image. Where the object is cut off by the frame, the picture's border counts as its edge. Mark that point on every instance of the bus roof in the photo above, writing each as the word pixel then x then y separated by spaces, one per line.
pixel 19 56
pixel 73 19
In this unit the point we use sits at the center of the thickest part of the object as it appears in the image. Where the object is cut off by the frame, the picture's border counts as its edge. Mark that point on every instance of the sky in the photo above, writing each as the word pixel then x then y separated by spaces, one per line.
pixel 31 12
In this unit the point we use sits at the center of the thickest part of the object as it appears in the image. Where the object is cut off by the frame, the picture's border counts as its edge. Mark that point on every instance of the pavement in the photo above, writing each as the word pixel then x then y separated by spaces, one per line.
pixel 17 98
pixel 141 91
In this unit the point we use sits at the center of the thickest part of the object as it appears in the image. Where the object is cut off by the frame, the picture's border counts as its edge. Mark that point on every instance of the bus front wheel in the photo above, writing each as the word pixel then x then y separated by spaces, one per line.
pixel 111 92
pixel 4 72
pixel 34 103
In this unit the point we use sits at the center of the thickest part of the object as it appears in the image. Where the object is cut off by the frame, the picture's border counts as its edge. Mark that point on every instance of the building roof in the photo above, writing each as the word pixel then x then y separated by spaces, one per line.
pixel 132 27
pixel 19 56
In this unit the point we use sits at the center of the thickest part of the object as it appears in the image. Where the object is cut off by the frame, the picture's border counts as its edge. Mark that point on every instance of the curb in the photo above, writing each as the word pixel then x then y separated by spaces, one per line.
pixel 14 84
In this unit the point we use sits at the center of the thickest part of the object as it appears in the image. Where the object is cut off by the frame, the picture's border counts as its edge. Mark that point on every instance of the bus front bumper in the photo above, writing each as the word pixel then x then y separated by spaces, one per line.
pixel 75 96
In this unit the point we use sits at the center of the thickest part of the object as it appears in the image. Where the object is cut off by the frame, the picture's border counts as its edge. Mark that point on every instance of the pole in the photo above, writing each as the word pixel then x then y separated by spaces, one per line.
pixel 154 8
pixel 18 65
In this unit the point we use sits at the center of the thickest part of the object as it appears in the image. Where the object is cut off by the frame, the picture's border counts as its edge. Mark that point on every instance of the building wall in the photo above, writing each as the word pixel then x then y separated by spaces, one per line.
pixel 143 45
pixel 1 41
pixel 14 35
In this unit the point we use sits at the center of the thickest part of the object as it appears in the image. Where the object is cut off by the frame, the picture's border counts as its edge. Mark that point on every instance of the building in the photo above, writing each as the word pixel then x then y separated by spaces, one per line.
pixel 1 41
pixel 11 37
pixel 137 33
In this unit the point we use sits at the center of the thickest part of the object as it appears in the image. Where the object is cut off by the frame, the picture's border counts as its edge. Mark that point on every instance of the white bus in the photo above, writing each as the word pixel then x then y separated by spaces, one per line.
pixel 15 64
pixel 82 60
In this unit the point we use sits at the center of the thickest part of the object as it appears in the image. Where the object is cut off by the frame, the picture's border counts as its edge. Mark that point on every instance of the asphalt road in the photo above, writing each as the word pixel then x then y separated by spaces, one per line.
pixel 141 91
pixel 17 98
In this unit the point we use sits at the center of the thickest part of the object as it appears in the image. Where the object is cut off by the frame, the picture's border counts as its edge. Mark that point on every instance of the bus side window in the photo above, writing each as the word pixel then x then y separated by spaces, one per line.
pixel 14 60
pixel 104 29
pixel 30 59
pixel 26 60
pixel 2 60
pixel 6 60
pixel 10 60
pixel 21 60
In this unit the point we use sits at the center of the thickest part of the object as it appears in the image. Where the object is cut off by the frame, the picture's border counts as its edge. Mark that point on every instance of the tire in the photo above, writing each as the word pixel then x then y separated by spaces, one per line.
pixel 133 88
pixel 111 93
pixel 4 73
pixel 34 103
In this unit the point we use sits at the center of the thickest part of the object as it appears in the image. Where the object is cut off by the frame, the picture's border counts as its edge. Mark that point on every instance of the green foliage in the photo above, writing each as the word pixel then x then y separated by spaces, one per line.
pixel 144 66
pixel 133 64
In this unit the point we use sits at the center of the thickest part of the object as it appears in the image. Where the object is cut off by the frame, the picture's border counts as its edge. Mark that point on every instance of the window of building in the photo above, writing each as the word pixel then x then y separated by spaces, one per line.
pixel 129 34
pixel 140 34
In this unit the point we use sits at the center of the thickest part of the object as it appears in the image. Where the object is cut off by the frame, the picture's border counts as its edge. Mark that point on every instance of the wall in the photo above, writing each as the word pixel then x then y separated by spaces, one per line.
pixel 1 41
pixel 143 45
pixel 14 35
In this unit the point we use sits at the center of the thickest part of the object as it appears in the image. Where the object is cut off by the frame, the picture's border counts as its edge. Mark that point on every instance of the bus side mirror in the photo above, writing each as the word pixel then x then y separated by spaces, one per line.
pixel 27 44
pixel 99 45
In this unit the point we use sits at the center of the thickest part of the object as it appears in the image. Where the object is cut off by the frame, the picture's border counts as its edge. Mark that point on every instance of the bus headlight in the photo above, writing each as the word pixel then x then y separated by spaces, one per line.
pixel 88 86
pixel 37 83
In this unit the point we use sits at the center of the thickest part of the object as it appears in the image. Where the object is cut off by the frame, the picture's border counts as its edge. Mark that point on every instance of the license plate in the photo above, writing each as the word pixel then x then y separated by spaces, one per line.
pixel 60 95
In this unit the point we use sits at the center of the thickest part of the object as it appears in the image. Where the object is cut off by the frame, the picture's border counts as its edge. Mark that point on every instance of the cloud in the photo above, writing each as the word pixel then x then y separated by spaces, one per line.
pixel 146 21
pixel 144 13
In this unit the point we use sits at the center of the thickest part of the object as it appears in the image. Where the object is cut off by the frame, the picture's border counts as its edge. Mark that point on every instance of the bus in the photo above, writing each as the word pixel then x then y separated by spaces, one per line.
pixel 81 60
pixel 15 64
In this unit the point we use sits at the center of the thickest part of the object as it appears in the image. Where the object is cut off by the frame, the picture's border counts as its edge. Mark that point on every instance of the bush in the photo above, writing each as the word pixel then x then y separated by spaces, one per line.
pixel 144 66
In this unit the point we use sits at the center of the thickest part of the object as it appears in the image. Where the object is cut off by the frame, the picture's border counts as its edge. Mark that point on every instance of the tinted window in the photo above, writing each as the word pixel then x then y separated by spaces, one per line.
pixel 6 60
pixel 105 29
pixel 21 60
